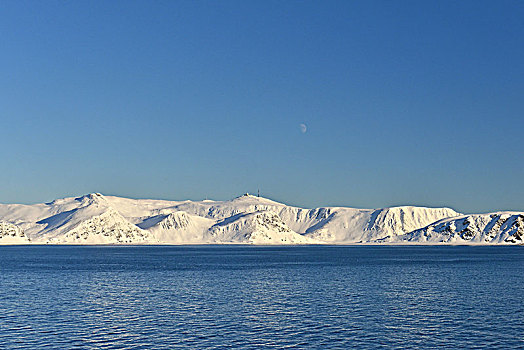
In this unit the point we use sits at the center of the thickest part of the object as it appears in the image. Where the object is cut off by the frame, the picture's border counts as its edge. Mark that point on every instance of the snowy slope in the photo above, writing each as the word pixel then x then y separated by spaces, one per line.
pixel 493 228
pixel 343 225
pixel 178 228
pixel 260 227
pixel 330 224
pixel 98 219
pixel 12 234
pixel 83 220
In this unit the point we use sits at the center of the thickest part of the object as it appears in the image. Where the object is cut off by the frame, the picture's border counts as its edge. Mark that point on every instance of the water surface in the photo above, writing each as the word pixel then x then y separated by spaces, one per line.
pixel 216 297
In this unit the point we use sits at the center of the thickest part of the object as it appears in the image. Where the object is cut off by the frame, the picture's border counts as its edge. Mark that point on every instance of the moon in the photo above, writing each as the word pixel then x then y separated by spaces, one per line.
pixel 303 128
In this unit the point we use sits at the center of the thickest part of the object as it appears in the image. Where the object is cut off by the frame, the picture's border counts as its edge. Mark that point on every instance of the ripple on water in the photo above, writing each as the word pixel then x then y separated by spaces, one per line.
pixel 261 297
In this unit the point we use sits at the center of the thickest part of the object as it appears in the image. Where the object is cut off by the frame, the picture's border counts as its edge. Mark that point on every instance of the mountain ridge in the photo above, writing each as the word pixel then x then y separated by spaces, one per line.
pixel 98 219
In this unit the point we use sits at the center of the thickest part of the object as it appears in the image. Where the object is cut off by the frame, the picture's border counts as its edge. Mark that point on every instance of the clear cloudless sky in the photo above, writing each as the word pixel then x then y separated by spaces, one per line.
pixel 405 102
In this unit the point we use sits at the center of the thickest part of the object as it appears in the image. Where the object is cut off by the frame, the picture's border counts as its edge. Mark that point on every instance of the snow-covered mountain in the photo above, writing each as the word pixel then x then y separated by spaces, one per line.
pixel 98 219
pixel 494 228
pixel 259 227
pixel 11 234
pixel 364 225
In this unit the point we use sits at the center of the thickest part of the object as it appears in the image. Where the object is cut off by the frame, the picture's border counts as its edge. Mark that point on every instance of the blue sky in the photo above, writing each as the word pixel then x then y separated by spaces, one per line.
pixel 406 102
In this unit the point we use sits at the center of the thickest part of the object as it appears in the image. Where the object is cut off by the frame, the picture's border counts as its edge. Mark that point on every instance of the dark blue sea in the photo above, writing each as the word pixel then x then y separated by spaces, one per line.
pixel 248 297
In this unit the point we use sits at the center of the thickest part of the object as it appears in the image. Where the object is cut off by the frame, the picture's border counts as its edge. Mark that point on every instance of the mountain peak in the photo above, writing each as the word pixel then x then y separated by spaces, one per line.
pixel 96 219
pixel 89 198
pixel 249 198
pixel 246 195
